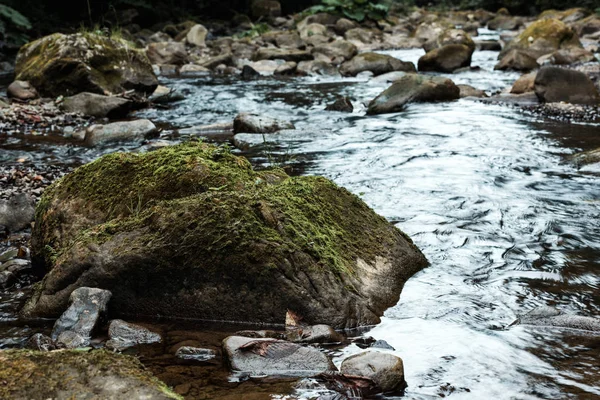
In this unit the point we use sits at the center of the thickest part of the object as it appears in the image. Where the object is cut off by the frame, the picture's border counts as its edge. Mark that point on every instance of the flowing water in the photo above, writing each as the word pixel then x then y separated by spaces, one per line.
pixel 485 191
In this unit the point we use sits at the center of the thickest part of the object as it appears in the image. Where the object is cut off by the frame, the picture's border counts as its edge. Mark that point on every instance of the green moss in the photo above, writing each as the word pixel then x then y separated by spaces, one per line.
pixel 34 374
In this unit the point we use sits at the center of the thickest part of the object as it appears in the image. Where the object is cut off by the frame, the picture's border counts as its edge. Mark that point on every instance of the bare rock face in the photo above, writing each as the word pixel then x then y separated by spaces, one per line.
pixel 69 64
pixel 192 231
pixel 68 374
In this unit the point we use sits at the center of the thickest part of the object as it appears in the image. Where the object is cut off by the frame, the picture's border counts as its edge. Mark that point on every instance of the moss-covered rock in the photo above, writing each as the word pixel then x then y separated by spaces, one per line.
pixel 71 374
pixel 85 62
pixel 193 231
pixel 542 37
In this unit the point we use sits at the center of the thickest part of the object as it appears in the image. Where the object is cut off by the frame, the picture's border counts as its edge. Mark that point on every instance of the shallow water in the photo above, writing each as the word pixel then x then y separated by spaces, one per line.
pixel 485 191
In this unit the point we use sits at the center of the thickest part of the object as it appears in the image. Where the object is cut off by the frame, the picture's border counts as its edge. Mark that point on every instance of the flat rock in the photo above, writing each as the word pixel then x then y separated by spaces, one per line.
pixel 274 357
pixel 252 123
pixel 124 335
pixel 552 317
pixel 195 354
pixel 96 105
pixel 119 131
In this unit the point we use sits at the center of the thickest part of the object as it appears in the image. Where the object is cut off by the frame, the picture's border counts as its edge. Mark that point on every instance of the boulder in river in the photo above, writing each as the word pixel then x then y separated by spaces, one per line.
pixel 119 131
pixel 470 91
pixel 193 231
pixel 81 318
pixel 274 357
pixel 587 157
pixel 554 84
pixel 517 60
pixel 195 354
pixel 449 36
pixel 70 374
pixel 543 37
pixel 171 53
pixel 124 335
pixel 21 90
pixel 342 104
pixel 273 53
pixel 40 342
pixel 338 50
pixel 524 84
pixel 68 64
pixel 413 88
pixel 96 105
pixel 252 123
pixel 554 318
pixel 386 370
pixel 446 59
pixel 196 36
pixel 376 63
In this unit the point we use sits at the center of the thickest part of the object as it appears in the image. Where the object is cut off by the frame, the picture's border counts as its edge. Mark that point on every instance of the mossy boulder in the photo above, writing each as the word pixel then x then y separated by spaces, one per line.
pixel 193 231
pixel 542 37
pixel 70 374
pixel 84 62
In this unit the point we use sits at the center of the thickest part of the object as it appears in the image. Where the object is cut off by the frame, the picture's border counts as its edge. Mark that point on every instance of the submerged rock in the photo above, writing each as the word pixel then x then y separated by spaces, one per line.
pixel 376 63
pixel 274 357
pixel 70 374
pixel 124 335
pixel 68 64
pixel 192 231
pixel 81 318
pixel 587 157
pixel 119 131
pixel 342 104
pixel 252 123
pixel 413 88
pixel 446 59
pixel 551 317
pixel 195 354
pixel 385 369
pixel 553 84
pixel 96 105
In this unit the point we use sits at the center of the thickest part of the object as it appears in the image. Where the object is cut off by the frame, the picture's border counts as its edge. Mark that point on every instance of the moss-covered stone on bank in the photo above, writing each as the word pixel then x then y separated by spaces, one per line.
pixel 66 374
pixel 193 231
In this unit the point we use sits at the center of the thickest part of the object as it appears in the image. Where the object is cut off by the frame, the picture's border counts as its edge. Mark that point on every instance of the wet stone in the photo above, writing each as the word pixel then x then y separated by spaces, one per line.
pixel 124 335
pixel 384 369
pixel 87 306
pixel 342 104
pixel 195 353
pixel 40 342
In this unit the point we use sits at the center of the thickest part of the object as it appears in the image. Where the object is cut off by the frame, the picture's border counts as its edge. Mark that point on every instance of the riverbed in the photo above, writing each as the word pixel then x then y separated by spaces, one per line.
pixel 486 191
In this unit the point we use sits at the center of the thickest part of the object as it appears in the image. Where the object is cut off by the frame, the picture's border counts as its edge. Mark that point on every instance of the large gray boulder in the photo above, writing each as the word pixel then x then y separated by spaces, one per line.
pixel 274 357
pixel 554 84
pixel 193 231
pixel 376 63
pixel 413 88
pixel 70 374
pixel 517 60
pixel 119 131
pixel 446 59
pixel 68 64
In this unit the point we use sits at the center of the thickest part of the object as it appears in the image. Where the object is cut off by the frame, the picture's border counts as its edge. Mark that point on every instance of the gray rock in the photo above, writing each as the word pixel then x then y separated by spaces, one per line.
pixel 382 344
pixel 124 335
pixel 87 306
pixel 315 334
pixel 274 53
pixel 15 266
pixel 274 357
pixel 488 45
pixel 9 254
pixel 376 63
pixel 446 59
pixel 189 70
pixel 386 370
pixel 40 342
pixel 72 340
pixel 338 50
pixel 470 91
pixel 6 279
pixel 413 88
pixel 21 90
pixel 553 84
pixel 214 62
pixel 317 68
pixel 551 317
pixel 196 36
pixel 119 131
pixel 163 94
pixel 17 212
pixel 287 68
pixel 517 60
pixel 249 73
pixel 167 53
pixel 252 123
pixel 96 105
pixel 195 353
pixel 524 84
